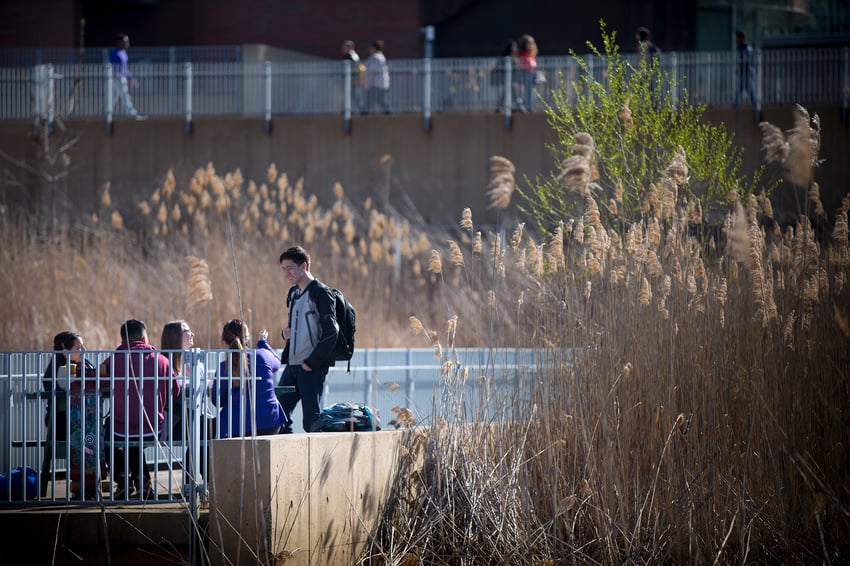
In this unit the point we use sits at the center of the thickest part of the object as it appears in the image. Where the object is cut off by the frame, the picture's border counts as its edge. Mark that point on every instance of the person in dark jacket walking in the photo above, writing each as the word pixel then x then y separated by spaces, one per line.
pixel 746 69
pixel 310 337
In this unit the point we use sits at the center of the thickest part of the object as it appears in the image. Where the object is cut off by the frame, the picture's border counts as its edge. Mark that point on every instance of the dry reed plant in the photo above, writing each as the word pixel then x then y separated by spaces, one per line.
pixel 90 275
pixel 687 403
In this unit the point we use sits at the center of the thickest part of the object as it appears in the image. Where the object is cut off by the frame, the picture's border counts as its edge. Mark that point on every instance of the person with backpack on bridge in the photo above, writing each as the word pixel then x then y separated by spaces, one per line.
pixel 311 338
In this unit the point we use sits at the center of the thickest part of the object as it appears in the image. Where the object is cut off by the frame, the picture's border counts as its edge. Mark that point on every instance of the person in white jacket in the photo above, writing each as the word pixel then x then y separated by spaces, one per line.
pixel 377 78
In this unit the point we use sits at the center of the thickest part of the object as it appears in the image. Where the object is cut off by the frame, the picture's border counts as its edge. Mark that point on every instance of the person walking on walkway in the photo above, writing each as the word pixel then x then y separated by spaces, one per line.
pixel 746 69
pixel 123 79
pixel 377 78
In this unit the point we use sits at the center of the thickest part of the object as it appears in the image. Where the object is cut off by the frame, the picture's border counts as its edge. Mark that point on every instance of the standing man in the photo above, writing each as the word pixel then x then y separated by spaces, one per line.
pixel 645 45
pixel 378 77
pixel 310 338
pixel 746 69
pixel 122 77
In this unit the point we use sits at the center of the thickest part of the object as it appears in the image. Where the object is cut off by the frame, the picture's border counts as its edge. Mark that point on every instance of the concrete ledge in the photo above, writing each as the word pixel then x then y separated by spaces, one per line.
pixel 308 498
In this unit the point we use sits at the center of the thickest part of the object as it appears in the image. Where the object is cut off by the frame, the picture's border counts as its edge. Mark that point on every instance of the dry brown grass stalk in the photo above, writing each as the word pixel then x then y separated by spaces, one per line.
pixel 653 432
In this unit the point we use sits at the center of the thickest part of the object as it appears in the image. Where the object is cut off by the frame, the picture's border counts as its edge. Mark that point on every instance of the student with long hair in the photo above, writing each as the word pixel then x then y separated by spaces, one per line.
pixel 176 340
pixel 67 347
pixel 244 388
pixel 67 368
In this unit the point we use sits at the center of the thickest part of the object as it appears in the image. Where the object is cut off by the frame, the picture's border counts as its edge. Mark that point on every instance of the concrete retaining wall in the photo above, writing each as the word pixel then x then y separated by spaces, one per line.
pixel 305 498
pixel 388 158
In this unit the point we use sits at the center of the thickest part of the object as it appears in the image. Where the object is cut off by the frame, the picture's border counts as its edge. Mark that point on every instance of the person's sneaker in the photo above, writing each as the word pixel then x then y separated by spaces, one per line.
pixel 140 117
pixel 120 493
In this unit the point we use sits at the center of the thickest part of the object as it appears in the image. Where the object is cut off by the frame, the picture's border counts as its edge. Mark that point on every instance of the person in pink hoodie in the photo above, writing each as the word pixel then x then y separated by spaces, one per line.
pixel 527 63
pixel 143 383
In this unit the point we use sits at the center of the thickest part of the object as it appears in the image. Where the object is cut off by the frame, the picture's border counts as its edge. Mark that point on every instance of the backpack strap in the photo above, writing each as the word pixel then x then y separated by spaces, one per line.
pixel 325 307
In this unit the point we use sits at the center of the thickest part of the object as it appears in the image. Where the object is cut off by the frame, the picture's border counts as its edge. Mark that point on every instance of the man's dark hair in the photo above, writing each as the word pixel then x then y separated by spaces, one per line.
pixel 295 254
pixel 133 330
pixel 644 34
pixel 378 44
pixel 741 35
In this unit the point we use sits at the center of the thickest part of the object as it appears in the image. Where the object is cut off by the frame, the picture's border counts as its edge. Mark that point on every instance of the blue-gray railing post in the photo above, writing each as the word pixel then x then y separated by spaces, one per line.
pixel 426 94
pixel 429 32
pixel 509 91
pixel 267 104
pixel 758 94
pixel 172 102
pixel 346 95
pixel 187 69
pixel 674 79
pixel 410 383
pixel 110 100
pixel 845 98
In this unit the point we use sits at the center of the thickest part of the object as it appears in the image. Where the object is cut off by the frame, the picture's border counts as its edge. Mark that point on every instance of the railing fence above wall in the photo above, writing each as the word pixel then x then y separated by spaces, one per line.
pixel 426 86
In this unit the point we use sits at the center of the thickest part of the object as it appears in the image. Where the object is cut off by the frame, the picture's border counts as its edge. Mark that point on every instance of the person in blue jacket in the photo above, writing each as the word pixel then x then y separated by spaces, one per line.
pixel 245 379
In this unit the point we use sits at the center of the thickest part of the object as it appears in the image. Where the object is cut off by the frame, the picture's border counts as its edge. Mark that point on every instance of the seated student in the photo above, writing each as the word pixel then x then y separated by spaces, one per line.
pixel 65 371
pixel 139 400
pixel 56 376
pixel 176 340
pixel 232 391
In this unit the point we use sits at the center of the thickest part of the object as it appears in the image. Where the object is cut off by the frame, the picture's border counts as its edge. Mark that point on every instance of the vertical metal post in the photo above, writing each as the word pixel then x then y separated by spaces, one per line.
pixel 674 78
pixel 267 118
pixel 51 93
pixel 38 87
pixel 187 69
pixel 509 91
pixel 172 102
pixel 110 100
pixel 426 94
pixel 845 98
pixel 758 89
pixel 429 32
pixel 192 484
pixel 410 382
pixel 346 95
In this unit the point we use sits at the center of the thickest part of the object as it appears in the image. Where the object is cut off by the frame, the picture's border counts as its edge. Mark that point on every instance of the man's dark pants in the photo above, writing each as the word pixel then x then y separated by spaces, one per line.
pixel 309 386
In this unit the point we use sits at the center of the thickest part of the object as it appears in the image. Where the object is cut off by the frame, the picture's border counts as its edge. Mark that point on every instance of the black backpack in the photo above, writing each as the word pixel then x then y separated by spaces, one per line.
pixel 346 318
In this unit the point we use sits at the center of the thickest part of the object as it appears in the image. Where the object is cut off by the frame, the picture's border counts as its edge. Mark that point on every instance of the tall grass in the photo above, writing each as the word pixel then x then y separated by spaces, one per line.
pixel 692 408
pixel 206 249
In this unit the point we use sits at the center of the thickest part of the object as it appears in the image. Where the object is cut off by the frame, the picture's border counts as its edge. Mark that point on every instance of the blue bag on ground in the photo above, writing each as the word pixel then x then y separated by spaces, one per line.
pixel 18 476
pixel 348 417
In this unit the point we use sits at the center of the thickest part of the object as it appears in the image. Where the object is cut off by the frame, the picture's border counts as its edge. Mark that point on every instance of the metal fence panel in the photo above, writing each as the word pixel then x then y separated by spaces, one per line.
pixel 483 379
pixel 176 88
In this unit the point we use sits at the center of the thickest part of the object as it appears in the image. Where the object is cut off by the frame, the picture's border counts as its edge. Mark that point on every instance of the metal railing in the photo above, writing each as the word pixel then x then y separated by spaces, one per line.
pixel 42 427
pixel 27 57
pixel 192 89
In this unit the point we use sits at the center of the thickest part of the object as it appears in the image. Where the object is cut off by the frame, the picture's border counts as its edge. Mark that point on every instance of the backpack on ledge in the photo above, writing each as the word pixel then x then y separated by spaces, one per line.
pixel 348 417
